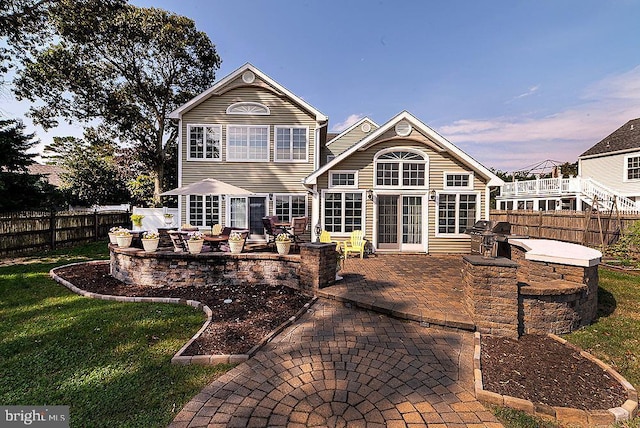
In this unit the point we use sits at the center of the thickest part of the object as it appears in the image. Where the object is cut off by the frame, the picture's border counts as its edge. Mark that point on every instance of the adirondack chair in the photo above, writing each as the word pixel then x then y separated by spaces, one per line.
pixel 325 237
pixel 355 244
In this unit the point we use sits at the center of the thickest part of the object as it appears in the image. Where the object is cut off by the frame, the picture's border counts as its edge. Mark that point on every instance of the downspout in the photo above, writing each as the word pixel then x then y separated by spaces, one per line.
pixel 180 169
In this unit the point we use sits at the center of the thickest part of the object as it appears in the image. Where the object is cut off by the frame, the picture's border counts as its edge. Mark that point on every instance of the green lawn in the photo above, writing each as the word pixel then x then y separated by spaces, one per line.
pixel 614 338
pixel 109 361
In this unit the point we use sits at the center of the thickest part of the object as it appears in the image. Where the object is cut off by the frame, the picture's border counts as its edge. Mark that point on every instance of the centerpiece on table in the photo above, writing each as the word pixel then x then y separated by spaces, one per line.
pixel 136 219
pixel 195 243
pixel 168 219
pixel 150 241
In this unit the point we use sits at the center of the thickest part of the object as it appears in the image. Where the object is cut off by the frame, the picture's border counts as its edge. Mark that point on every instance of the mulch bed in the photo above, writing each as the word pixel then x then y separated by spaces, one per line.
pixel 236 327
pixel 536 368
pixel 542 370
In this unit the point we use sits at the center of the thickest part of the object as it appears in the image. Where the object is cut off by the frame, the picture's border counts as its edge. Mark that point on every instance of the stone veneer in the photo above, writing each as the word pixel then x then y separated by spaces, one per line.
pixel 511 297
pixel 313 268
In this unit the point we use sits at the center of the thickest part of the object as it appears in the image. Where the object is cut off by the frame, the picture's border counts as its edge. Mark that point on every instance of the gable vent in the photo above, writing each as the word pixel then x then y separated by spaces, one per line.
pixel 403 128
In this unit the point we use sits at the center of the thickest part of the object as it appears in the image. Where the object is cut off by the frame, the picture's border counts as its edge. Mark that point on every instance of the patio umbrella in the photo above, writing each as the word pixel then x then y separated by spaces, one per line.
pixel 208 186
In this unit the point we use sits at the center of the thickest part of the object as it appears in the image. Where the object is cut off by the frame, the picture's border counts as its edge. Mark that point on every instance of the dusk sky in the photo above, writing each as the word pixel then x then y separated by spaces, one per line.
pixel 510 82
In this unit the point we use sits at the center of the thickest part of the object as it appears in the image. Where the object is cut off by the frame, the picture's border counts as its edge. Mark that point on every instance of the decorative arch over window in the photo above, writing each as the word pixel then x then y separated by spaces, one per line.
pixel 401 167
pixel 249 108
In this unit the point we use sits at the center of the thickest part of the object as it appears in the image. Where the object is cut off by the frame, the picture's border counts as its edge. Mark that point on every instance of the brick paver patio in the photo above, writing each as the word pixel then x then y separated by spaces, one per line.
pixel 418 287
pixel 339 366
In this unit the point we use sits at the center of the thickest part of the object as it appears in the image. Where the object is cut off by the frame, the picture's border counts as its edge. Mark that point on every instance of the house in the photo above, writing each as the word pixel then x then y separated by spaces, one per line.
pixel 608 173
pixel 403 184
pixel 51 173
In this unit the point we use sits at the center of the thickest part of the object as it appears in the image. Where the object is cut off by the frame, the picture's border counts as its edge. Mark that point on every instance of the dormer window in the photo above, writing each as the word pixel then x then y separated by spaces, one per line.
pixel 249 108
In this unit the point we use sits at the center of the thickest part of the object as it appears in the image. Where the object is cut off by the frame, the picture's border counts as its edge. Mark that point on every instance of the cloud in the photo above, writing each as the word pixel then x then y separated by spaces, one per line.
pixel 353 118
pixel 510 143
pixel 532 90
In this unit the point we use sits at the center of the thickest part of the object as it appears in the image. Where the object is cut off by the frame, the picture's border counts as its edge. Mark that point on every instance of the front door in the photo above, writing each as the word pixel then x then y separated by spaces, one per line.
pixel 400 223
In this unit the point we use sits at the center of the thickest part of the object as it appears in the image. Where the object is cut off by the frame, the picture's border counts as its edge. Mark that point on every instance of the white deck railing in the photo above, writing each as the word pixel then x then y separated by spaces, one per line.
pixel 587 188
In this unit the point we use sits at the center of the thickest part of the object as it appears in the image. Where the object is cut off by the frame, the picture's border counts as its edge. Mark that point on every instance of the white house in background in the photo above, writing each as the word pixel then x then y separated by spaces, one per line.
pixel 404 185
pixel 608 172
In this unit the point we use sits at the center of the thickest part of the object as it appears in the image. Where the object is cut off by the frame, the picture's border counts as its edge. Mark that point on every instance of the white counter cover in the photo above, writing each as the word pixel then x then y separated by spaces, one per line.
pixel 565 253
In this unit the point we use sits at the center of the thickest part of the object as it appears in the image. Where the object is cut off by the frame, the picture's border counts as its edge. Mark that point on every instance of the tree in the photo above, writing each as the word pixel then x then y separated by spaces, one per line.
pixel 91 171
pixel 126 66
pixel 18 188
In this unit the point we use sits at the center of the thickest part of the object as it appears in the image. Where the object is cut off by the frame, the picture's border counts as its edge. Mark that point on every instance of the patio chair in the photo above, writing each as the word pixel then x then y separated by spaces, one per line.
pixel 325 237
pixel 355 244
pixel 216 229
pixel 179 241
pixel 270 230
pixel 298 226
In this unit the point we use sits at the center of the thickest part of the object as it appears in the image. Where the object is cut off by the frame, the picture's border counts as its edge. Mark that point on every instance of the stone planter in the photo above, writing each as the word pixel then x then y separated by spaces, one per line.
pixel 195 246
pixel 236 246
pixel 283 247
pixel 150 245
pixel 113 239
pixel 124 241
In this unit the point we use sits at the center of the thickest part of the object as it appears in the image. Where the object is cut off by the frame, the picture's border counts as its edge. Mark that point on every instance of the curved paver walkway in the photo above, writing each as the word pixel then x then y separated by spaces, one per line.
pixel 346 367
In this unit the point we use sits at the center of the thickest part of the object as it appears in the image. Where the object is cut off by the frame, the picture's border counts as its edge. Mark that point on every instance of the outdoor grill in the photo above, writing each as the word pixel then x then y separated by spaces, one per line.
pixel 486 236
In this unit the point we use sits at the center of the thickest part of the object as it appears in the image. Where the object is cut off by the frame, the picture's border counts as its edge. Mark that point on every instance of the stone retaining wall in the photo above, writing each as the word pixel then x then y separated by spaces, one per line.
pixel 315 267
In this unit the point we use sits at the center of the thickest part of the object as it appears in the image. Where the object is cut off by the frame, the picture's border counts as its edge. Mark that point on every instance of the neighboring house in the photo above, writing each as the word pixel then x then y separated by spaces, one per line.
pixel 50 172
pixel 404 185
pixel 608 172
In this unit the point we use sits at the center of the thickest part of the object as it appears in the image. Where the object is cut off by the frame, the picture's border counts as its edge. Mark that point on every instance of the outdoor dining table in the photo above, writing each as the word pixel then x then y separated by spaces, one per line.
pixel 215 240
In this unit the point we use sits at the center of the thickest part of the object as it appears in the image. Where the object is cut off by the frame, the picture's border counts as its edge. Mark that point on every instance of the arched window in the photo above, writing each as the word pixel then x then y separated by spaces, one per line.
pixel 401 168
pixel 250 108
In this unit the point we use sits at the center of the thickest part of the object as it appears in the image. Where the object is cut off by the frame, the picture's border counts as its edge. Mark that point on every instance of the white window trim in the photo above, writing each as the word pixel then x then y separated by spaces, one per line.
pixel 203 125
pixel 235 109
pixel 468 187
pixel 267 127
pixel 306 202
pixel 204 209
pixel 400 172
pixel 354 172
pixel 364 210
pixel 625 172
pixel 437 213
pixel 275 144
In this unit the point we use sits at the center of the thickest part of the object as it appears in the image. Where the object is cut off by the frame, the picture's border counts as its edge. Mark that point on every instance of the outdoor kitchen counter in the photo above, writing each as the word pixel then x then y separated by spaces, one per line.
pixel 545 250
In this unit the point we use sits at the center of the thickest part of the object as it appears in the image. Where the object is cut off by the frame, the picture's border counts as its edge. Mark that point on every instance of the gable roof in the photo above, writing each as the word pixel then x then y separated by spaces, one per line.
pixel 50 172
pixel 443 144
pixel 625 138
pixel 351 128
pixel 177 113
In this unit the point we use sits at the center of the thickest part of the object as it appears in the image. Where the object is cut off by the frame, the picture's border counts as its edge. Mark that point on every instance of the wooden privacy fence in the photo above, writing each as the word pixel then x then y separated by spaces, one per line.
pixel 30 231
pixel 580 227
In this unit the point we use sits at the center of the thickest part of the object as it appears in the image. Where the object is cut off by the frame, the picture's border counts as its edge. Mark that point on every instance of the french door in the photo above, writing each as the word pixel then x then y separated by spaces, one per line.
pixel 247 213
pixel 400 222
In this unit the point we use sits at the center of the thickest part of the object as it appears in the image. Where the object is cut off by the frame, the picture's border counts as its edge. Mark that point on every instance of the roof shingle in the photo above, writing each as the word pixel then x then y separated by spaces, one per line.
pixel 627 137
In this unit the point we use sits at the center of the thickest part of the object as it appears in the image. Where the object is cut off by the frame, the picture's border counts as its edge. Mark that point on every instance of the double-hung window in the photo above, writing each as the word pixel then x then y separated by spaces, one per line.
pixel 400 169
pixel 248 143
pixel 291 143
pixel 204 142
pixel 287 207
pixel 457 212
pixel 343 211
pixel 204 211
pixel 632 166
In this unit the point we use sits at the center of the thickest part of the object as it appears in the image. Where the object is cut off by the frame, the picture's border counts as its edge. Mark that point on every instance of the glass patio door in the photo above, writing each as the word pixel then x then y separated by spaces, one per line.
pixel 400 223
pixel 247 213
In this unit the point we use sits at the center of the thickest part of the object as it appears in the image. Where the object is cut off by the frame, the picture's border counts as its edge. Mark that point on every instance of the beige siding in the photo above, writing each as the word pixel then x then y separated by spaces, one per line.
pixel 363 161
pixel 349 139
pixel 610 171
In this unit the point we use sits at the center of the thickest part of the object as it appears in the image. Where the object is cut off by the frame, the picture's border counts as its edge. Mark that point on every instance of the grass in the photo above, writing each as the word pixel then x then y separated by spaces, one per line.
pixel 109 361
pixel 614 338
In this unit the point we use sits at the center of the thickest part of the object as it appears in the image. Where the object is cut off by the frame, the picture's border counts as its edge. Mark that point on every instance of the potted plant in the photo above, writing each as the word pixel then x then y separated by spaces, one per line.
pixel 195 243
pixel 112 234
pixel 136 219
pixel 168 219
pixel 236 242
pixel 124 238
pixel 150 241
pixel 283 244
